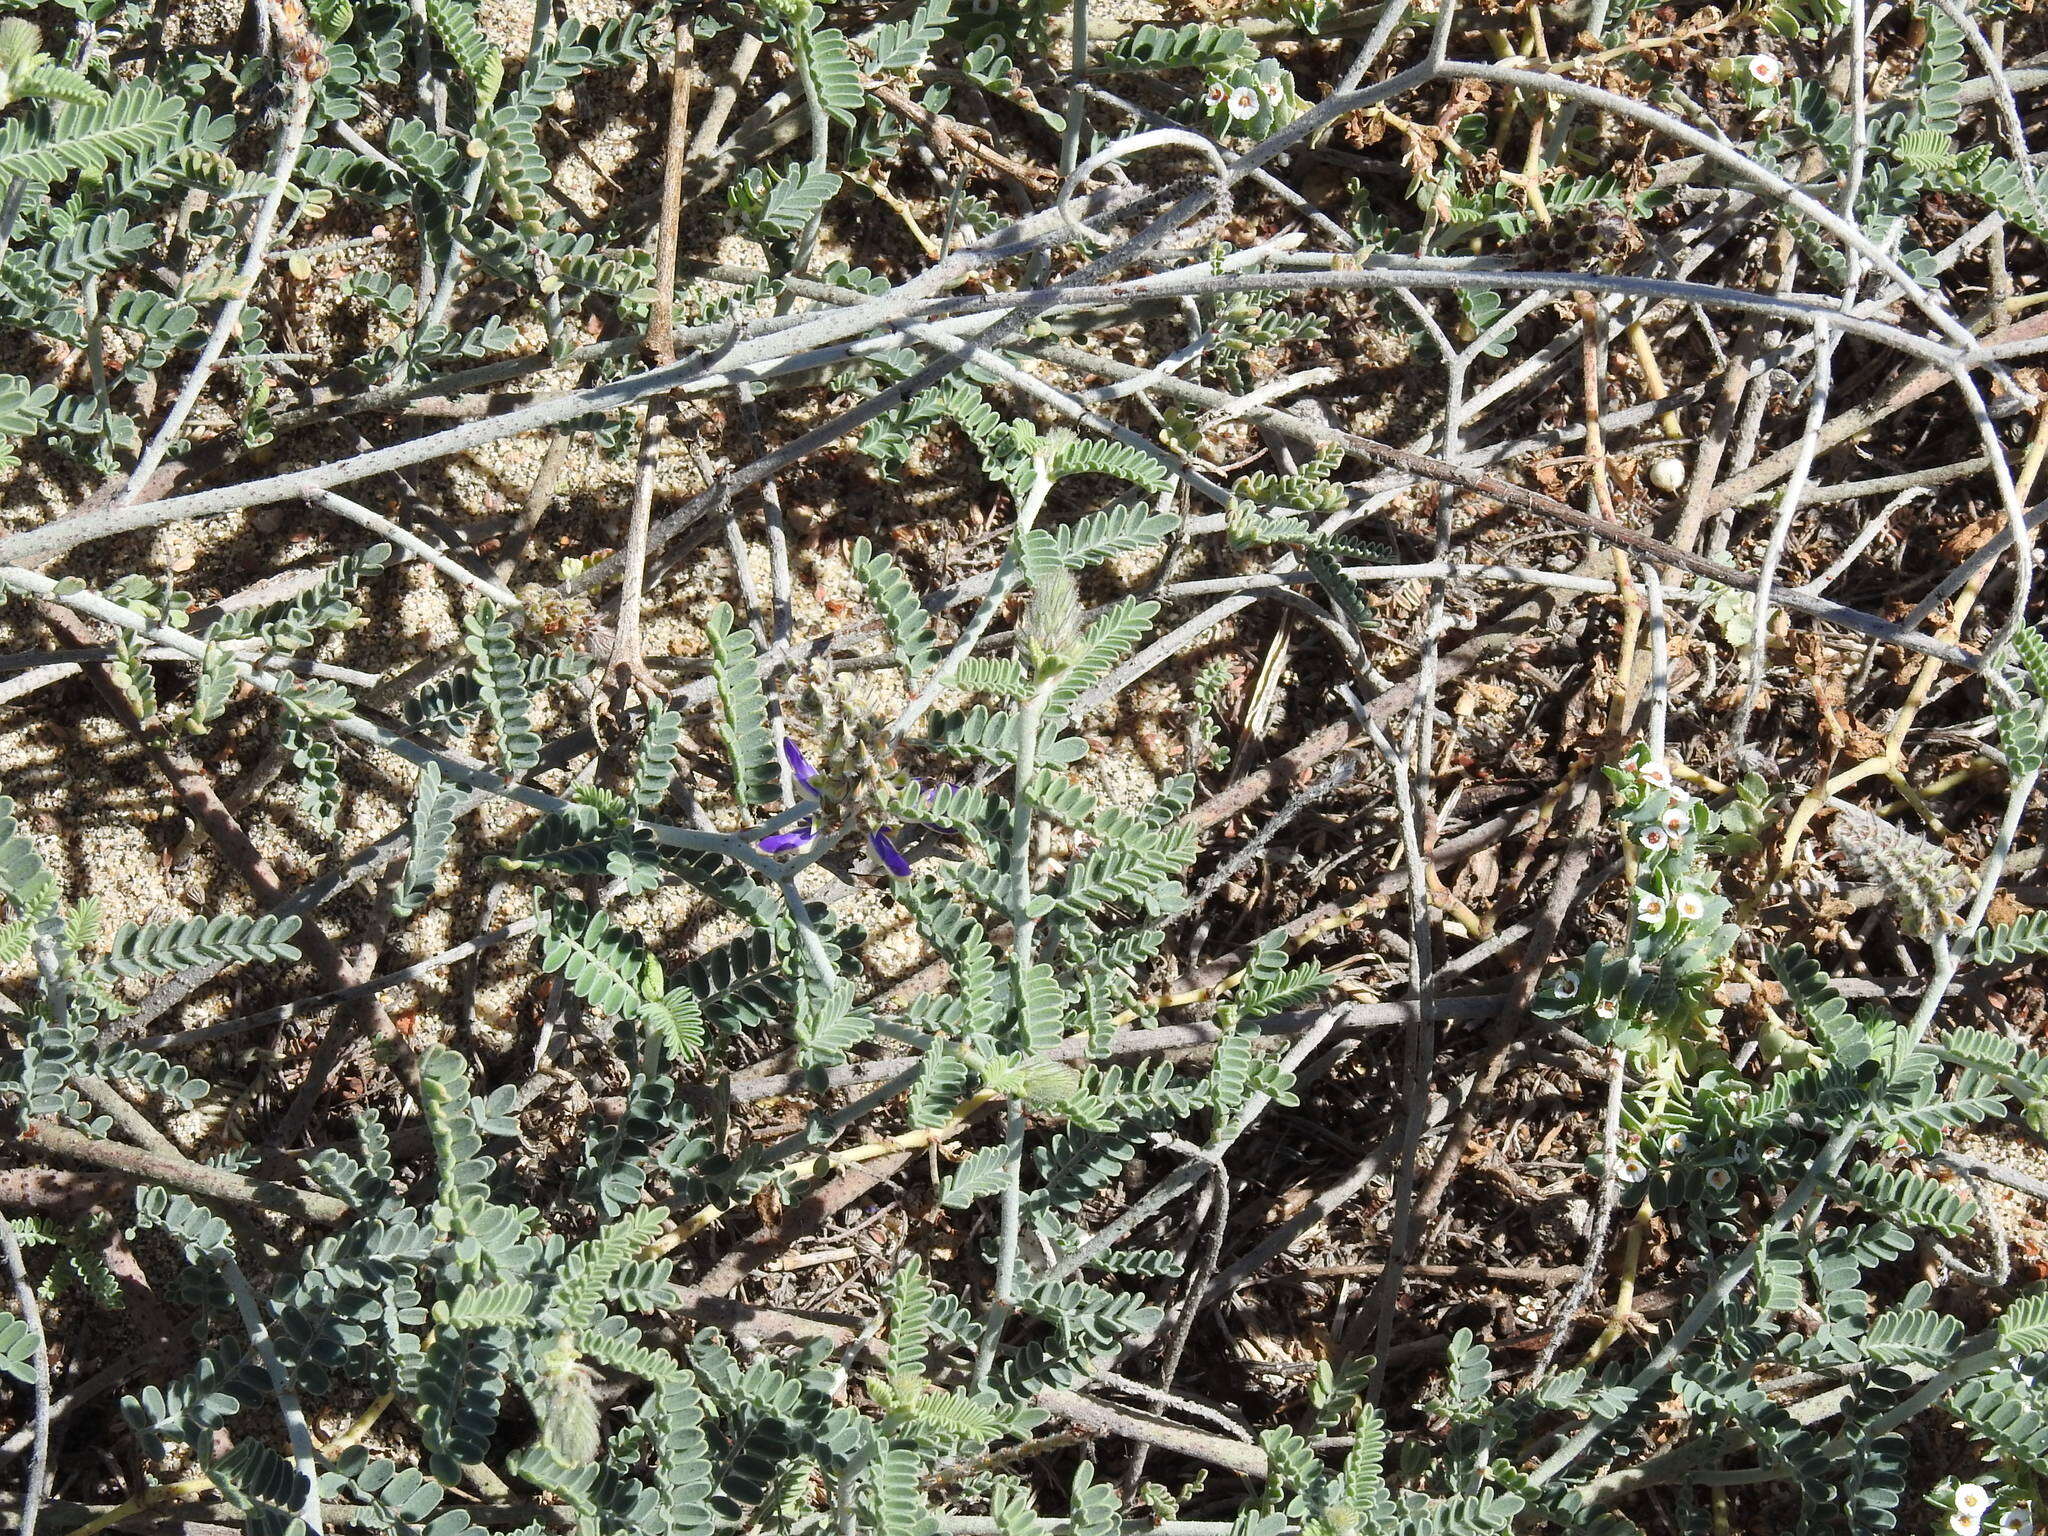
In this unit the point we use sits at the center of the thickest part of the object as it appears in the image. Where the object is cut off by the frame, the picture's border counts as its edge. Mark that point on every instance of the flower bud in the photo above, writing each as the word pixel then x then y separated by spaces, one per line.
pixel 1052 625
pixel 19 42
pixel 565 1402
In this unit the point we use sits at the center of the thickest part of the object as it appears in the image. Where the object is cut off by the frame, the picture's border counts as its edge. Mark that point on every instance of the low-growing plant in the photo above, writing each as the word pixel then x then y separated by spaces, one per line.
pixel 465 1271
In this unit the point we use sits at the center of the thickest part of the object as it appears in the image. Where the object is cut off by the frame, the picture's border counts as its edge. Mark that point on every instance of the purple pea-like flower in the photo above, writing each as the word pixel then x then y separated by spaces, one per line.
pixel 800 835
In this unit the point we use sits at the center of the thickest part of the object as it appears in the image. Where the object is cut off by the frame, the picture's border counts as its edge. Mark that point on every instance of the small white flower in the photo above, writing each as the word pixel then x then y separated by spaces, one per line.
pixel 1654 839
pixel 1567 985
pixel 2016 1522
pixel 1630 1169
pixel 1273 91
pixel 1971 1498
pixel 1607 1008
pixel 1690 906
pixel 1719 1180
pixel 1765 70
pixel 1650 910
pixel 1244 103
pixel 1965 1525
pixel 1217 94
pixel 1654 772
pixel 1675 1144
pixel 1675 821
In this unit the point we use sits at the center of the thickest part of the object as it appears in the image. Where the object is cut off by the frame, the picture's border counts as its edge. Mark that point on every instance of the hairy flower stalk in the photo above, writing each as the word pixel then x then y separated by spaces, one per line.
pixel 1024 936
pixel 1926 886
pixel 1051 634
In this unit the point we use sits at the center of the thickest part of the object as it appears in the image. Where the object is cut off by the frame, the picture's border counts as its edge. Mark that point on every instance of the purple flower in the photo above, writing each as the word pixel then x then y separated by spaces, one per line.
pixel 886 851
pixel 800 835
pixel 801 765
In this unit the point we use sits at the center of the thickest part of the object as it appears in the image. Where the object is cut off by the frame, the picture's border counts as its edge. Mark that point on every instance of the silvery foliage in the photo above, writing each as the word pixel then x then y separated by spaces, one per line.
pixel 498 1321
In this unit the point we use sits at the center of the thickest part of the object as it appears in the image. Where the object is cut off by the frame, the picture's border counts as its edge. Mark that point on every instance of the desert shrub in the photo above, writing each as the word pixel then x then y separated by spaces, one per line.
pixel 415 1269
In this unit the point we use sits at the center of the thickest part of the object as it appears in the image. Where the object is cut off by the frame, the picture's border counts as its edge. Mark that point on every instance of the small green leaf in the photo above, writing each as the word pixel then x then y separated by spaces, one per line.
pixel 743 709
pixel 830 75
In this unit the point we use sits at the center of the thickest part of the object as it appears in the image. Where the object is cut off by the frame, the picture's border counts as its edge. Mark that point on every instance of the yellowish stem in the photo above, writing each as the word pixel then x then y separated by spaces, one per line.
pixel 364 1423
pixel 149 1498
pixel 1625 1292
pixel 1639 1229
pixel 198 1487
pixel 1653 377
pixel 826 1163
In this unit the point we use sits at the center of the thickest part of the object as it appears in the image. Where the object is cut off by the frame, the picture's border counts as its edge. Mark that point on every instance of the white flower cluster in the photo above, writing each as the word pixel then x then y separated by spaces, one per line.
pixel 1677 934
pixel 1685 906
pixel 1250 101
pixel 1243 102
pixel 1665 833
pixel 1970 1504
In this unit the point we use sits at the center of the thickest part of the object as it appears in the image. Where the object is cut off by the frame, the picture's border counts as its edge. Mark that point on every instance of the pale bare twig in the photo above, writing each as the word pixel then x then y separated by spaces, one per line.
pixel 32 1317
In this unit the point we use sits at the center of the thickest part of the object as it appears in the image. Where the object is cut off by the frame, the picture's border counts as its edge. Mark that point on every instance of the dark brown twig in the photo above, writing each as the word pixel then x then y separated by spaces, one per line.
pixel 176 1173
pixel 953 134
pixel 627 670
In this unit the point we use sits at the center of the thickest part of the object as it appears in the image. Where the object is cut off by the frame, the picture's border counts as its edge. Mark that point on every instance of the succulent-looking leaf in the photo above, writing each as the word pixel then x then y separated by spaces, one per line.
pixel 588 1272
pixel 319 768
pixel 1041 1019
pixel 1194 46
pixel 501 683
pixel 905 45
pixel 17 1349
pixel 506 1304
pixel 830 75
pixel 781 205
pixel 743 709
pixel 828 1028
pixel 165 947
pixel 654 768
pixel 461 1380
pixel 455 23
pixel 602 963
pixel 24 879
pixel 2023 1326
pixel 213 689
pixel 434 805
pixel 910 1318
pixel 88 135
pixel 984 1172
pixel 909 626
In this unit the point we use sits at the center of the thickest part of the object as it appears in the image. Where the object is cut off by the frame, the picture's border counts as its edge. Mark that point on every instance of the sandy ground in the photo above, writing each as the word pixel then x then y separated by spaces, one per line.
pixel 97 807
